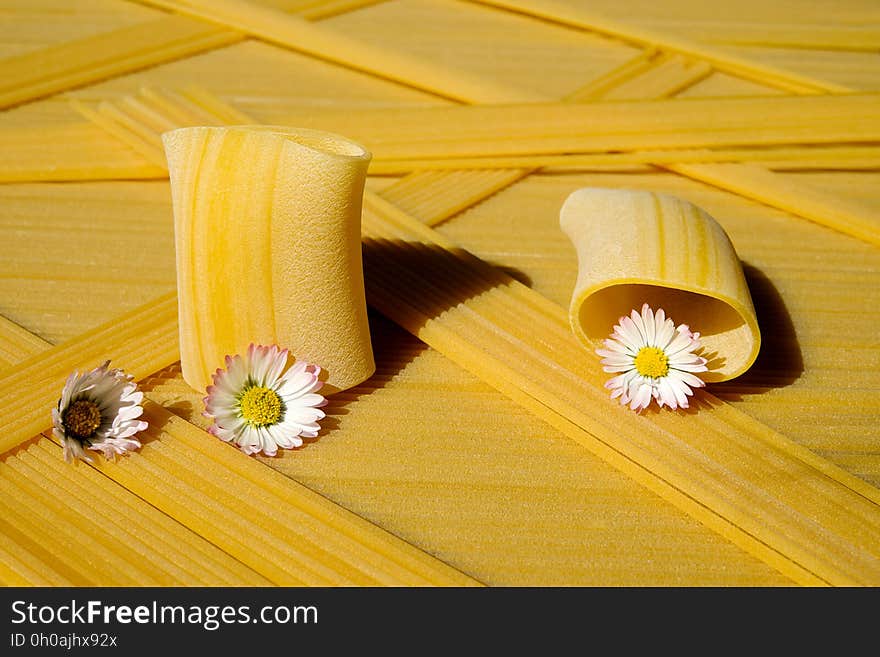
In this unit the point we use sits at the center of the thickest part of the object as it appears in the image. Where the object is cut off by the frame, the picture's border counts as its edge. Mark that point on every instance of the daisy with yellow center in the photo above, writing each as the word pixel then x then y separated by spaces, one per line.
pixel 98 410
pixel 654 359
pixel 261 404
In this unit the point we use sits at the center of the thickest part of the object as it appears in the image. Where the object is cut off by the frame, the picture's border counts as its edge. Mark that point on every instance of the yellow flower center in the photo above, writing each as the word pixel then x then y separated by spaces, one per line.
pixel 651 361
pixel 260 406
pixel 82 418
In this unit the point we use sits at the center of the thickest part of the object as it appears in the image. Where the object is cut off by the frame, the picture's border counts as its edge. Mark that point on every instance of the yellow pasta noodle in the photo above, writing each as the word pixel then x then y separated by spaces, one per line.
pixel 93 58
pixel 865 38
pixel 583 18
pixel 639 247
pixel 795 158
pixel 293 32
pixel 434 196
pixel 665 124
pixel 668 75
pixel 74 151
pixel 267 234
pixel 842 213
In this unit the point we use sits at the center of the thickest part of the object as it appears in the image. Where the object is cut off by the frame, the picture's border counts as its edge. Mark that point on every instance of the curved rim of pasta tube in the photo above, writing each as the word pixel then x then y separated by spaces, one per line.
pixel 328 144
pixel 741 320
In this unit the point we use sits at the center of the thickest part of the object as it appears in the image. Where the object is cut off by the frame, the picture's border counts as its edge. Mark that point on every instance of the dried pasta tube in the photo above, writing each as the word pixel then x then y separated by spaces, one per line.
pixel 267 234
pixel 636 247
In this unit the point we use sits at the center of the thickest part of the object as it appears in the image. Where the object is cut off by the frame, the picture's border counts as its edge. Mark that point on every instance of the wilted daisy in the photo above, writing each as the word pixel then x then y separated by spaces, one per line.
pixel 260 404
pixel 656 360
pixel 98 410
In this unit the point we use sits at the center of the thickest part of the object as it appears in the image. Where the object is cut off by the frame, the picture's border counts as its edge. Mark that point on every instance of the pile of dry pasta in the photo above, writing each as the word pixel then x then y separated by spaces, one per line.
pixel 476 444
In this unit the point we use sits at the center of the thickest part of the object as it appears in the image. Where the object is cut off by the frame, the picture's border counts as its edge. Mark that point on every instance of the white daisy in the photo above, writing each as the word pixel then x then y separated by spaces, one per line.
pixel 98 410
pixel 260 404
pixel 656 360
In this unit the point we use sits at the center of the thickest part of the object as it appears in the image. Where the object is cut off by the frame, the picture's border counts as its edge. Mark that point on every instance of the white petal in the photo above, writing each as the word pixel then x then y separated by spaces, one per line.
pixel 298 367
pixel 616 356
pixel 636 319
pixel 267 441
pixel 236 372
pixel 73 450
pixel 648 321
pixel 686 378
pixel 258 361
pixel 694 367
pixel 217 403
pixel 665 334
pixel 611 369
pixel 284 438
pixel 311 399
pixel 666 394
pixel 299 385
pixel 679 388
pixel 127 413
pixel 224 383
pixel 247 439
pixel 642 397
pixel 277 368
pixel 629 334
pixel 226 435
pixel 679 343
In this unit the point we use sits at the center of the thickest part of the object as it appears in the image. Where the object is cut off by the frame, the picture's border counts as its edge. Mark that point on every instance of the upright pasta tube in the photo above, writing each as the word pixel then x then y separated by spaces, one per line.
pixel 267 235
pixel 638 247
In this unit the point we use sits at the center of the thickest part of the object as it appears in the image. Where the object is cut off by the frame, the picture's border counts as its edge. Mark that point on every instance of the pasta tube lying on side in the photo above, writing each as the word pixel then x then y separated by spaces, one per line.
pixel 636 247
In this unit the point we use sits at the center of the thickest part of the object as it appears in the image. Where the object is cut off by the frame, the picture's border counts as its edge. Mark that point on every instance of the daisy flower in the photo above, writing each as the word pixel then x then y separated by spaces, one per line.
pixel 260 404
pixel 98 410
pixel 655 360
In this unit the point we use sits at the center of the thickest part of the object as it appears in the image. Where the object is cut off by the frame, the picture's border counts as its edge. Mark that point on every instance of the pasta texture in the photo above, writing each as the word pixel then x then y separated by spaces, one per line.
pixel 267 236
pixel 638 247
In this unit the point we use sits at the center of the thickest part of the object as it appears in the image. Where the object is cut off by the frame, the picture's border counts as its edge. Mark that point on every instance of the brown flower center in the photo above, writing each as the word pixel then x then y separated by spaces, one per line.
pixel 82 419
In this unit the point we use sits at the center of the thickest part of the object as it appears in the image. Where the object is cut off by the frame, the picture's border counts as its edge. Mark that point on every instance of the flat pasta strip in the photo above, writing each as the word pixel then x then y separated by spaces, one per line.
pixel 642 79
pixel 434 196
pixel 119 124
pixel 668 75
pixel 76 151
pixel 794 158
pixel 844 214
pixel 515 130
pixel 630 70
pixel 859 38
pixel 17 343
